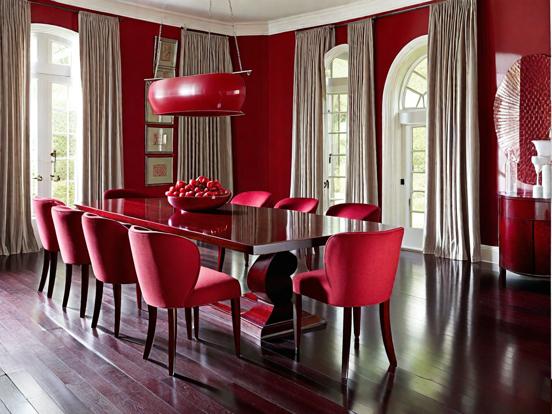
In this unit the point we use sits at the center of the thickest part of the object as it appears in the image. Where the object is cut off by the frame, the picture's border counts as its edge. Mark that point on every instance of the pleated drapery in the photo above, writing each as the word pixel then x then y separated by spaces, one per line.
pixel 309 89
pixel 100 57
pixel 362 168
pixel 16 232
pixel 452 196
pixel 205 143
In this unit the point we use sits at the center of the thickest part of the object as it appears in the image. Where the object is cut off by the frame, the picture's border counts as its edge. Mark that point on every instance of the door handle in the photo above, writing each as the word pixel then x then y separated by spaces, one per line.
pixel 38 178
pixel 55 177
pixel 326 184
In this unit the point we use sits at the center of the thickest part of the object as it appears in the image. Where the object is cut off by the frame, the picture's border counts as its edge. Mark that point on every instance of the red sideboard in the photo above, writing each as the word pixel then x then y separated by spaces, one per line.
pixel 524 234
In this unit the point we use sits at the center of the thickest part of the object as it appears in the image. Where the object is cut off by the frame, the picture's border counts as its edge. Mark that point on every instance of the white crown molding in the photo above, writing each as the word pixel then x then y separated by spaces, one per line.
pixel 358 9
pixel 330 15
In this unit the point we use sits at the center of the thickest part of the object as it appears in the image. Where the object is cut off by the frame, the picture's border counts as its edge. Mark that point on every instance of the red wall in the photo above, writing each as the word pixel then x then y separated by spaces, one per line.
pixel 262 138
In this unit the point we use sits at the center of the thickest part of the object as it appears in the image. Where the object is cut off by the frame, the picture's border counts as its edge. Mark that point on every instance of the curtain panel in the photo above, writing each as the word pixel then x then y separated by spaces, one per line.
pixel 16 232
pixel 309 90
pixel 362 168
pixel 100 58
pixel 452 203
pixel 205 143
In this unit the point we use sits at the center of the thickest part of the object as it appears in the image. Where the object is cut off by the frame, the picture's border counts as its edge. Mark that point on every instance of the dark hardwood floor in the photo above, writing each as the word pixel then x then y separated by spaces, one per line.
pixel 464 343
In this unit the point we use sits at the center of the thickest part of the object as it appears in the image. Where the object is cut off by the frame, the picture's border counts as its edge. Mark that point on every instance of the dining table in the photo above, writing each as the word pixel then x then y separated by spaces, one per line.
pixel 276 236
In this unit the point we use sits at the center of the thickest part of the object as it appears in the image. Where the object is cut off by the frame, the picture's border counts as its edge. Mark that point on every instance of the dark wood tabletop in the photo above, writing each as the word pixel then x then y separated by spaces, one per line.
pixel 251 230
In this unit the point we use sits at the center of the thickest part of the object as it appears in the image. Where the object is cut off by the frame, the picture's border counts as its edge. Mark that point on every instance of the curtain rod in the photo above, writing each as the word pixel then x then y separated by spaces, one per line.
pixel 68 9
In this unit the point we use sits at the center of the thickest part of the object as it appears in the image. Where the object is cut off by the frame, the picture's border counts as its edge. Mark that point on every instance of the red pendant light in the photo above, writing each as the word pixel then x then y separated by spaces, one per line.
pixel 208 94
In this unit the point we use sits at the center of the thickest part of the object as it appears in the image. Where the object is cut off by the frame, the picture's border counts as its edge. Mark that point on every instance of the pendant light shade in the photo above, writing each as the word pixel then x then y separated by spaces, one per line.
pixel 210 94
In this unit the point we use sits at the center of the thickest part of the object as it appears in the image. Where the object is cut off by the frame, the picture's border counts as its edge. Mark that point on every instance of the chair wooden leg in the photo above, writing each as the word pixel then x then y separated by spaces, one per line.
pixel 236 324
pixel 356 320
pixel 385 323
pixel 152 320
pixel 84 289
pixel 45 266
pixel 188 316
pixel 297 322
pixel 53 268
pixel 172 339
pixel 221 254
pixel 117 299
pixel 196 322
pixel 246 258
pixel 97 303
pixel 346 343
pixel 138 297
pixel 68 277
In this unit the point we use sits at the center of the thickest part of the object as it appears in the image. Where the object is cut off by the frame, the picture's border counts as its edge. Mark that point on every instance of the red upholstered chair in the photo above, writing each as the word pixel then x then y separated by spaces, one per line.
pixel 43 212
pixel 252 198
pixel 123 193
pixel 359 271
pixel 170 276
pixel 355 211
pixel 67 222
pixel 111 258
pixel 303 204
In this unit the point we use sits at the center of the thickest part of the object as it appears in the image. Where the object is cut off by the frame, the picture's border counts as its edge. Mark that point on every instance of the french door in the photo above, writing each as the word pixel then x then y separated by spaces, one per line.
pixel 55 107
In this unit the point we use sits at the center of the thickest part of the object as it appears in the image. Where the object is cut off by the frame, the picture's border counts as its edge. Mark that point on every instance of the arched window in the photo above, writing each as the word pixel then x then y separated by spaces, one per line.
pixel 335 143
pixel 55 113
pixel 404 142
pixel 413 120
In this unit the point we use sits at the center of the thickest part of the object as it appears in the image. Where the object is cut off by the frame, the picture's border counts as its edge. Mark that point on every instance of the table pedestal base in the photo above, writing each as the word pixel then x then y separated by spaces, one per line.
pixel 256 315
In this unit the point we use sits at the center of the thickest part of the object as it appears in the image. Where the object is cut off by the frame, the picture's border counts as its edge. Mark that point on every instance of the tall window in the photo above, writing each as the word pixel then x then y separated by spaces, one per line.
pixel 413 120
pixel 335 145
pixel 55 113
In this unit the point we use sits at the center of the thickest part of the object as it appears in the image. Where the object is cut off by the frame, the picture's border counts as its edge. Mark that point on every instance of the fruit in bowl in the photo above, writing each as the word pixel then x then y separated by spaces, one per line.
pixel 198 194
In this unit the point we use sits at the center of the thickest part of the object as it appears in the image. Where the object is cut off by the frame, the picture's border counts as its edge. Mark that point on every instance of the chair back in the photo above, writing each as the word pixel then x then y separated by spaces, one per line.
pixel 355 211
pixel 252 198
pixel 361 267
pixel 122 193
pixel 109 249
pixel 303 204
pixel 167 266
pixel 68 225
pixel 42 207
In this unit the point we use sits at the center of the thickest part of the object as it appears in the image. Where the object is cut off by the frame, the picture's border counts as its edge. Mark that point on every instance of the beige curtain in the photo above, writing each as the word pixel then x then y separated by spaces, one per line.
pixel 452 205
pixel 309 88
pixel 16 232
pixel 362 167
pixel 102 108
pixel 205 143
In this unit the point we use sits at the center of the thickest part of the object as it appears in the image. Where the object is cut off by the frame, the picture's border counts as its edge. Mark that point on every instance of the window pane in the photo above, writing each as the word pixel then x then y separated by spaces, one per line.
pixel 421 68
pixel 342 122
pixel 335 103
pixel 340 68
pixel 334 149
pixel 343 144
pixel 335 166
pixel 417 220
pixel 59 97
pixel 61 53
pixel 418 139
pixel 59 122
pixel 59 143
pixel 418 182
pixel 417 83
pixel 337 188
pixel 335 123
pixel 343 102
pixel 418 201
pixel 411 99
pixel 418 161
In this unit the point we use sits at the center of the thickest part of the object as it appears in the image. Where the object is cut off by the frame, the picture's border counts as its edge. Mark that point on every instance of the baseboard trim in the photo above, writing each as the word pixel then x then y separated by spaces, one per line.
pixel 489 254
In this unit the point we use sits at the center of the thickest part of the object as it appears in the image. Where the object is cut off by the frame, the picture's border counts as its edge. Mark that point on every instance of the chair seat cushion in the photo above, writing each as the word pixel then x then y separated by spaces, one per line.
pixel 211 287
pixel 312 284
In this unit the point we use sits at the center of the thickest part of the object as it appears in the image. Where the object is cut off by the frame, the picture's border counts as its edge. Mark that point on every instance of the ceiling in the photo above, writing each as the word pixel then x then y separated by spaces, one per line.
pixel 244 10
pixel 251 17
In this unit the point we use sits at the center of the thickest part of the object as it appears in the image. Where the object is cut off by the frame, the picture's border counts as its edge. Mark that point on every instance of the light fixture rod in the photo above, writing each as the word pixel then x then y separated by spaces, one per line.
pixel 234 33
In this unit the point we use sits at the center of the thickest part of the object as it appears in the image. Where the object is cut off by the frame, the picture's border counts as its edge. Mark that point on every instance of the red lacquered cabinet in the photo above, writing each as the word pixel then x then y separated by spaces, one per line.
pixel 524 234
